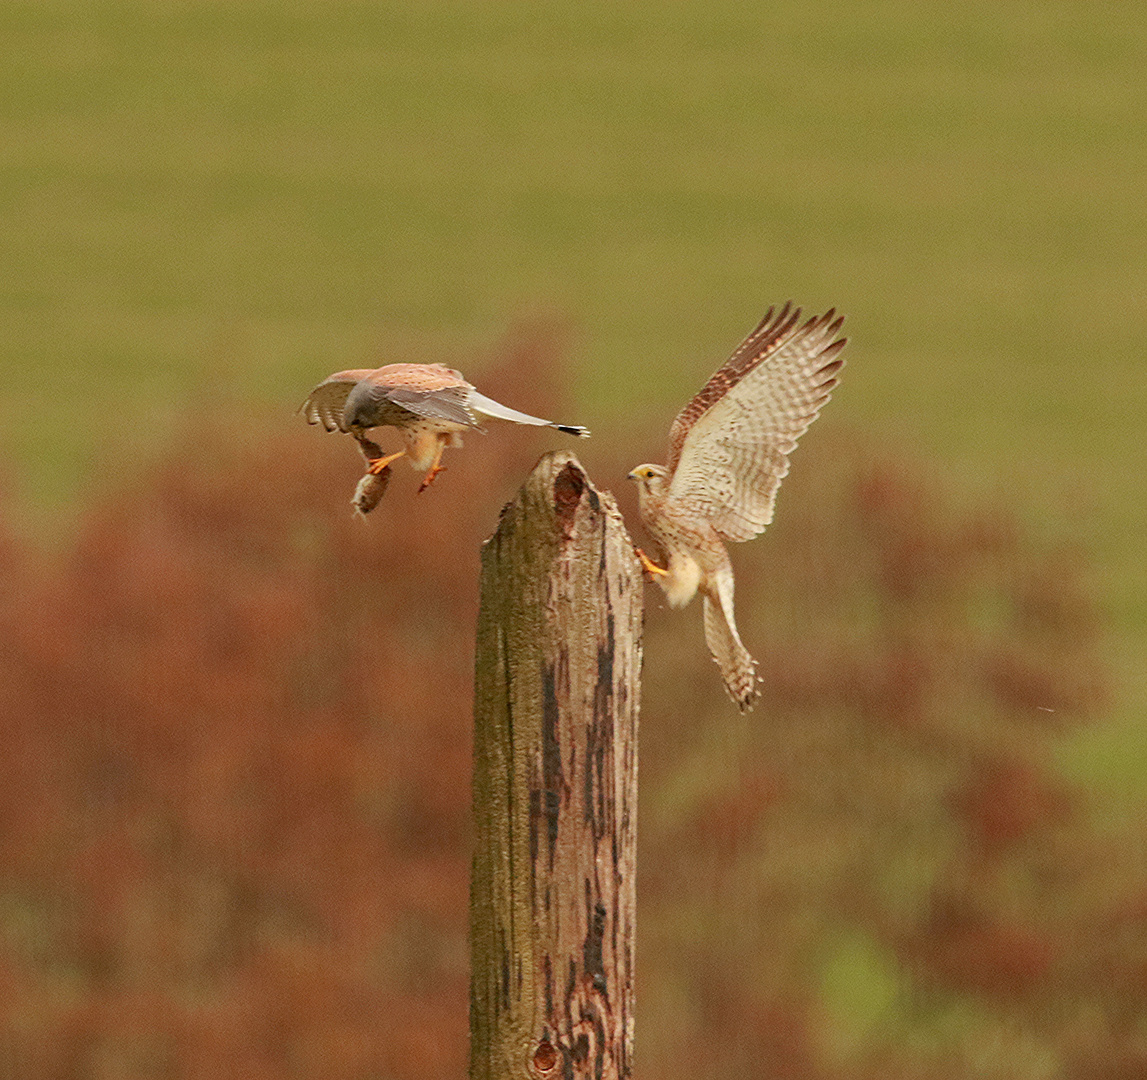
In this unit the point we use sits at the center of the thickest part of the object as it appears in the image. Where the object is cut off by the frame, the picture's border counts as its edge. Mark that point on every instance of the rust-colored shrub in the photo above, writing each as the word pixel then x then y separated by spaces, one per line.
pixel 234 772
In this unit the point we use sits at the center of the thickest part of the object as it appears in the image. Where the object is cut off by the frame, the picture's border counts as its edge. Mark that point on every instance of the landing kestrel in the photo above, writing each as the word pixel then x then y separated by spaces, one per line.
pixel 728 452
pixel 430 404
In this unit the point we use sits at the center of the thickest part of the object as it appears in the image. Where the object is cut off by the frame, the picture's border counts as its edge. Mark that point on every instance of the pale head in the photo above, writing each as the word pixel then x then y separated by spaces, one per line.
pixel 651 479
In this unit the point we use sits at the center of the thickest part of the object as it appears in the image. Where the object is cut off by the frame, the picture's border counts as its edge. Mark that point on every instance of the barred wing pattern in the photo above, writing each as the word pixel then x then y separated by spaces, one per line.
pixel 729 446
pixel 430 390
pixel 738 669
pixel 326 401
pixel 448 404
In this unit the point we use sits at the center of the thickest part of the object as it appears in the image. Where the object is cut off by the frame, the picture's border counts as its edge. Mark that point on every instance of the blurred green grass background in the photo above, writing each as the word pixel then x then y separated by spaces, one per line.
pixel 235 198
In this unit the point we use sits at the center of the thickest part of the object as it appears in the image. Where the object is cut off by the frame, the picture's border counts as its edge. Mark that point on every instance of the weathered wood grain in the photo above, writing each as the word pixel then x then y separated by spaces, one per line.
pixel 555 786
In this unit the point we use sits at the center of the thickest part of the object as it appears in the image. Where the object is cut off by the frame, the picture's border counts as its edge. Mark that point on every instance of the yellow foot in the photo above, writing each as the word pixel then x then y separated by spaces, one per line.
pixel 649 565
pixel 376 466
pixel 428 479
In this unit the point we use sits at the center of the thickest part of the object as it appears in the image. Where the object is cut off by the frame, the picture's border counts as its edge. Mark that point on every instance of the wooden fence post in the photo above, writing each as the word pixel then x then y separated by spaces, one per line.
pixel 552 891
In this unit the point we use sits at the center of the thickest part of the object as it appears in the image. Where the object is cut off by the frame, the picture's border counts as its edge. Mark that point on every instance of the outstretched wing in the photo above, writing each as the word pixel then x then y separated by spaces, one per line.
pixel 326 402
pixel 432 391
pixel 448 403
pixel 729 446
pixel 429 390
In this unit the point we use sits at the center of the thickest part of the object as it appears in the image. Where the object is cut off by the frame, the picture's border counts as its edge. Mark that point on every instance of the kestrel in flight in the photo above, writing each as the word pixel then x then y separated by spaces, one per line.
pixel 728 452
pixel 430 404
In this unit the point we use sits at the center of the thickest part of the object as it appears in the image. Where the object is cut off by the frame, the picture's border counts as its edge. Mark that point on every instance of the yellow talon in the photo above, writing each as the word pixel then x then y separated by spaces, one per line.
pixel 377 466
pixel 428 479
pixel 434 469
pixel 648 565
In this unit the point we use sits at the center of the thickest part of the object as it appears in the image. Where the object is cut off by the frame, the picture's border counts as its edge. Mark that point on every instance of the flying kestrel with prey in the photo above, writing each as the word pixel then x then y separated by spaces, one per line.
pixel 430 404
pixel 728 452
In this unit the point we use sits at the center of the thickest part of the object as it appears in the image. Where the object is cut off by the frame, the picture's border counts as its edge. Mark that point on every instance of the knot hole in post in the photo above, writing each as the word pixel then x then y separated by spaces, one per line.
pixel 545 1057
pixel 569 486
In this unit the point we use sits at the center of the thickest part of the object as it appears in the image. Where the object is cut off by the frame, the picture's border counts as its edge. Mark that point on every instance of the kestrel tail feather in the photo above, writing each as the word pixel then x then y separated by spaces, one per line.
pixel 737 667
pixel 490 407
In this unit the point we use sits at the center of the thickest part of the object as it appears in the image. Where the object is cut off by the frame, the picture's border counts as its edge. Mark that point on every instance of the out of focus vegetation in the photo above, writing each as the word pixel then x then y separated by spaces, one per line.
pixel 236 763
pixel 235 737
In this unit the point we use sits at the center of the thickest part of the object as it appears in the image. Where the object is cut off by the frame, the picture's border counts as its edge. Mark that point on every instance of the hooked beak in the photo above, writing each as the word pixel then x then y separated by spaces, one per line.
pixel 631 476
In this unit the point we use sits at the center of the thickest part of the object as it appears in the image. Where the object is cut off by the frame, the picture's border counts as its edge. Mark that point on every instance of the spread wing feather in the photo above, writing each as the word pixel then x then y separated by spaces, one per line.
pixel 449 403
pixel 325 403
pixel 729 446
pixel 443 394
